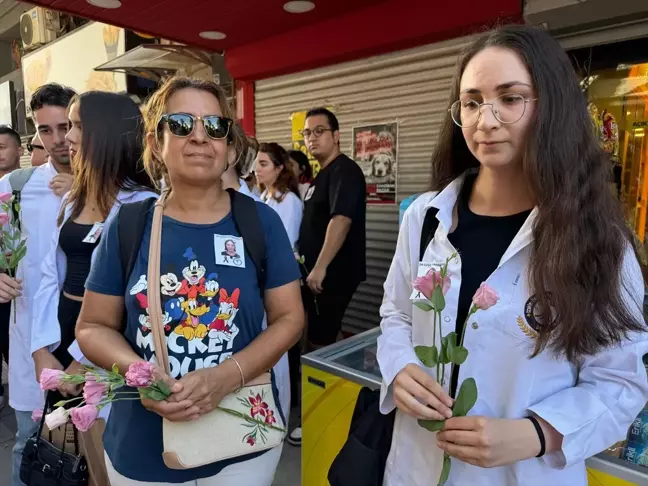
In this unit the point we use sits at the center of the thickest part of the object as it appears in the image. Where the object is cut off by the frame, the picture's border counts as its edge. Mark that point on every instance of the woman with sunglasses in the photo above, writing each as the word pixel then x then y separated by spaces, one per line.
pixel 280 188
pixel 37 152
pixel 214 312
pixel 520 193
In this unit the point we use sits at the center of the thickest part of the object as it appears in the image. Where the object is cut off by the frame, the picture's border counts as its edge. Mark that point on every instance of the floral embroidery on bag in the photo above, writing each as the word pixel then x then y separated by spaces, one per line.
pixel 260 418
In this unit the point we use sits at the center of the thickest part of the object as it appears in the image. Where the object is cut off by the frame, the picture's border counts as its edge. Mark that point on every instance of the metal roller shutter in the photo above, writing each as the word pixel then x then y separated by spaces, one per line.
pixel 411 87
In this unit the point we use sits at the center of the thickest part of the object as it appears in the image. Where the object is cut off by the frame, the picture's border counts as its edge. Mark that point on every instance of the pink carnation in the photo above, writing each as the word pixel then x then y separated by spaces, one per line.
pixel 84 417
pixel 5 197
pixel 51 379
pixel 93 391
pixel 429 281
pixel 4 218
pixel 485 297
pixel 37 415
pixel 140 374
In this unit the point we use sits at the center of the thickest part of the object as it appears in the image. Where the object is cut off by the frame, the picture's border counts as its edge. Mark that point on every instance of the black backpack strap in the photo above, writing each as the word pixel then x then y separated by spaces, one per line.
pixel 131 222
pixel 430 225
pixel 248 224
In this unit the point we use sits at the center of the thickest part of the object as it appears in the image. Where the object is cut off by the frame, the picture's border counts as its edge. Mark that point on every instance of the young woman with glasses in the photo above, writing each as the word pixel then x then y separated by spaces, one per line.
pixel 520 194
pixel 214 312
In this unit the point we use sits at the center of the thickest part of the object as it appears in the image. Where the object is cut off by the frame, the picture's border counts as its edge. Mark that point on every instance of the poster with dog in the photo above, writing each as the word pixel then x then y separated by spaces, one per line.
pixel 375 149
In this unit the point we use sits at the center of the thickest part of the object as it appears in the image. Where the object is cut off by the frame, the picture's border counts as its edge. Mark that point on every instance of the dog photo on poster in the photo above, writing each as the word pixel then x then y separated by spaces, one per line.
pixel 375 150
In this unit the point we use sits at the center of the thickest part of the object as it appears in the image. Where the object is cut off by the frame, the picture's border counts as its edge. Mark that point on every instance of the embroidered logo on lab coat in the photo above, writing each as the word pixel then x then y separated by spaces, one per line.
pixel 535 317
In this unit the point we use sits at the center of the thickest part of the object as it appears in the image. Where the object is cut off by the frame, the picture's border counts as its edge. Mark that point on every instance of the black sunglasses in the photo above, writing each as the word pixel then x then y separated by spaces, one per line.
pixel 31 147
pixel 182 124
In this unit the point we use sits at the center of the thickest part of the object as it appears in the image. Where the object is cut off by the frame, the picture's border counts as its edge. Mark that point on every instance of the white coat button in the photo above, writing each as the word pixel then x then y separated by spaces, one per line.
pixel 475 325
pixel 447 319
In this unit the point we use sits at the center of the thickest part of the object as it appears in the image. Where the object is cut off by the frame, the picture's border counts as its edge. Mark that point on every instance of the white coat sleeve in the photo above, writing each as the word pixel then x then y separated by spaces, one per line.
pixel 611 390
pixel 46 330
pixel 395 348
pixel 291 211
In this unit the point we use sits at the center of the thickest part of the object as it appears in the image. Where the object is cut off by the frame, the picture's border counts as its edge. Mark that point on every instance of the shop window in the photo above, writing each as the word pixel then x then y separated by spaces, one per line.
pixel 617 92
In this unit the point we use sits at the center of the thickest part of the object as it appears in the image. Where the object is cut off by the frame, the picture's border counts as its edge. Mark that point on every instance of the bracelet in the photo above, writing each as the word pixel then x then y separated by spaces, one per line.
pixel 541 435
pixel 240 371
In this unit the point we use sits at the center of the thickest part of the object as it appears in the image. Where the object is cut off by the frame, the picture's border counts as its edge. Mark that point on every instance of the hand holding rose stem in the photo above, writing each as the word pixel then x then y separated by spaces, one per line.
pixel 102 388
pixel 434 286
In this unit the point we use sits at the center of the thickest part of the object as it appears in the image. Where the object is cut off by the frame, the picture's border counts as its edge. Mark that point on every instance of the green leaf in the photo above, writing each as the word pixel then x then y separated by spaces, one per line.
pixel 432 425
pixel 466 398
pixel 459 355
pixel 152 394
pixel 438 300
pixel 17 206
pixel 162 387
pixel 445 472
pixel 452 342
pixel 424 306
pixel 448 344
pixel 429 355
pixel 115 369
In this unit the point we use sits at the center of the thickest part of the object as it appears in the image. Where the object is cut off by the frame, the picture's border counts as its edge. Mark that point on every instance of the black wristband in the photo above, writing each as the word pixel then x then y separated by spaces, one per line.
pixel 541 435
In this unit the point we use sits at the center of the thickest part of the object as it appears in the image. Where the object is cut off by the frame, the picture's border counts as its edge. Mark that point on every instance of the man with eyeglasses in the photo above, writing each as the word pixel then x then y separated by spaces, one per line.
pixel 332 235
pixel 38 153
pixel 10 152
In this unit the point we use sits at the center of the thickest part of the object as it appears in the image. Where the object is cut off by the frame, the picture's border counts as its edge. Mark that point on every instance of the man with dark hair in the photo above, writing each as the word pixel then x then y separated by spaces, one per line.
pixel 10 152
pixel 40 190
pixel 332 236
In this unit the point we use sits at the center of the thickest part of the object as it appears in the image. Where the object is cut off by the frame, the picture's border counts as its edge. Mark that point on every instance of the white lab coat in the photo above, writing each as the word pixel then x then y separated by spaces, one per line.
pixel 46 331
pixel 591 404
pixel 244 189
pixel 290 210
pixel 39 210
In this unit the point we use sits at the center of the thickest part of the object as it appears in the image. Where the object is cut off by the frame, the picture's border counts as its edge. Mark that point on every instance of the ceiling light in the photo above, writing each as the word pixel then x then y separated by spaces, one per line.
pixel 212 35
pixel 105 3
pixel 298 7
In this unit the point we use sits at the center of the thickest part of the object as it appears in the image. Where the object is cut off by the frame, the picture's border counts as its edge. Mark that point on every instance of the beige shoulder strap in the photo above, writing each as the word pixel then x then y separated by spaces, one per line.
pixel 153 287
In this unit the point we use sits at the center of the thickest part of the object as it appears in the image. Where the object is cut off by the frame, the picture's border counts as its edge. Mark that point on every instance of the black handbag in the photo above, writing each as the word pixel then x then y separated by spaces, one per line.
pixel 44 464
pixel 361 462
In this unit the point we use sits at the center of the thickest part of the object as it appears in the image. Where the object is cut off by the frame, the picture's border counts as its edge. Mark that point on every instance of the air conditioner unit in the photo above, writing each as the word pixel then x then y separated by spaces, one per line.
pixel 39 26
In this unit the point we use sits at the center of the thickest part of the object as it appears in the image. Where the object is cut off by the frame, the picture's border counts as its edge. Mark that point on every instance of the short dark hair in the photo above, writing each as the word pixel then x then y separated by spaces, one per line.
pixel 51 94
pixel 332 119
pixel 7 130
pixel 303 163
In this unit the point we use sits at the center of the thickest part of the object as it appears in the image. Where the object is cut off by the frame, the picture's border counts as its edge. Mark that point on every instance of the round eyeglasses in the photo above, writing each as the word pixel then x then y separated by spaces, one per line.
pixel 507 109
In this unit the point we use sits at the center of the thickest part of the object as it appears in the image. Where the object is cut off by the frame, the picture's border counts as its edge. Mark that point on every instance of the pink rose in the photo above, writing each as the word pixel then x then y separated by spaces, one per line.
pixel 57 418
pixel 4 218
pixel 485 297
pixel 37 415
pixel 140 374
pixel 5 197
pixel 51 379
pixel 84 417
pixel 429 281
pixel 94 392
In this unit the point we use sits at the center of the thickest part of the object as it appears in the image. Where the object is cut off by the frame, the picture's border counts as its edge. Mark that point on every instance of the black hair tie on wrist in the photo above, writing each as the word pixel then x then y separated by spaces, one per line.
pixel 541 435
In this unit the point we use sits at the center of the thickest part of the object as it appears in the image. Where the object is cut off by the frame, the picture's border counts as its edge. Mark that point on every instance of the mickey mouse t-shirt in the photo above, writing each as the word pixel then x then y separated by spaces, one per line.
pixel 212 308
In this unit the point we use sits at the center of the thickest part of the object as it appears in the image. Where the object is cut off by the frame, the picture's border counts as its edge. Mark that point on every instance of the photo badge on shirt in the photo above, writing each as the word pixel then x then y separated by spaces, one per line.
pixel 229 251
pixel 94 233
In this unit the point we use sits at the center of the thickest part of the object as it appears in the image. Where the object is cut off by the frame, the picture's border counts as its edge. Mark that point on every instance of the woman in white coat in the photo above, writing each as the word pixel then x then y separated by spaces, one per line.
pixel 281 190
pixel 520 191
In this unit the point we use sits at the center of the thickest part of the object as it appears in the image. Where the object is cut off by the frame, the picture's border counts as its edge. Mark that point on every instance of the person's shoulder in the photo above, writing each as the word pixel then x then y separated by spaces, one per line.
pixel 268 216
pixel 417 209
pixel 348 165
pixel 293 198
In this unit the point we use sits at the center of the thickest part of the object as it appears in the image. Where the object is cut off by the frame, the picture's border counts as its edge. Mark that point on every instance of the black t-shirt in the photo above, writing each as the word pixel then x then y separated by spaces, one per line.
pixel 481 242
pixel 338 189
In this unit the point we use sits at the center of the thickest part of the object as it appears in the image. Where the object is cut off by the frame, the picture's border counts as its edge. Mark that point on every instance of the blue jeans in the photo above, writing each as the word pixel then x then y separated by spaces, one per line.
pixel 26 428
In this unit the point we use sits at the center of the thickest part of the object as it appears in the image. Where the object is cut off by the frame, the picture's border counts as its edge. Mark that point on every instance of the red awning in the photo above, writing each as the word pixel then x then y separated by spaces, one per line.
pixel 263 39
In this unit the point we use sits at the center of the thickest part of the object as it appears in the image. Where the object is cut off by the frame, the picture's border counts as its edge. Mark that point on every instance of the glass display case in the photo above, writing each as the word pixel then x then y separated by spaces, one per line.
pixel 333 376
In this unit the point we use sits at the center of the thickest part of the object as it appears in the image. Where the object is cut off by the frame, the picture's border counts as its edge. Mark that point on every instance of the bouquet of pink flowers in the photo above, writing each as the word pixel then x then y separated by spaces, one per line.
pixel 433 286
pixel 101 388
pixel 13 247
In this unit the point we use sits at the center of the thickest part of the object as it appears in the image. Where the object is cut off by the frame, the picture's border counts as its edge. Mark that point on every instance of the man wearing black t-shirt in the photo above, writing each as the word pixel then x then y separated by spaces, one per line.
pixel 331 238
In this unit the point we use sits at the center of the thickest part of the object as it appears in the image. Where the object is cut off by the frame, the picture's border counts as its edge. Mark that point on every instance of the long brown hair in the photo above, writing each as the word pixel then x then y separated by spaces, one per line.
pixel 110 158
pixel 580 236
pixel 286 180
pixel 156 107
